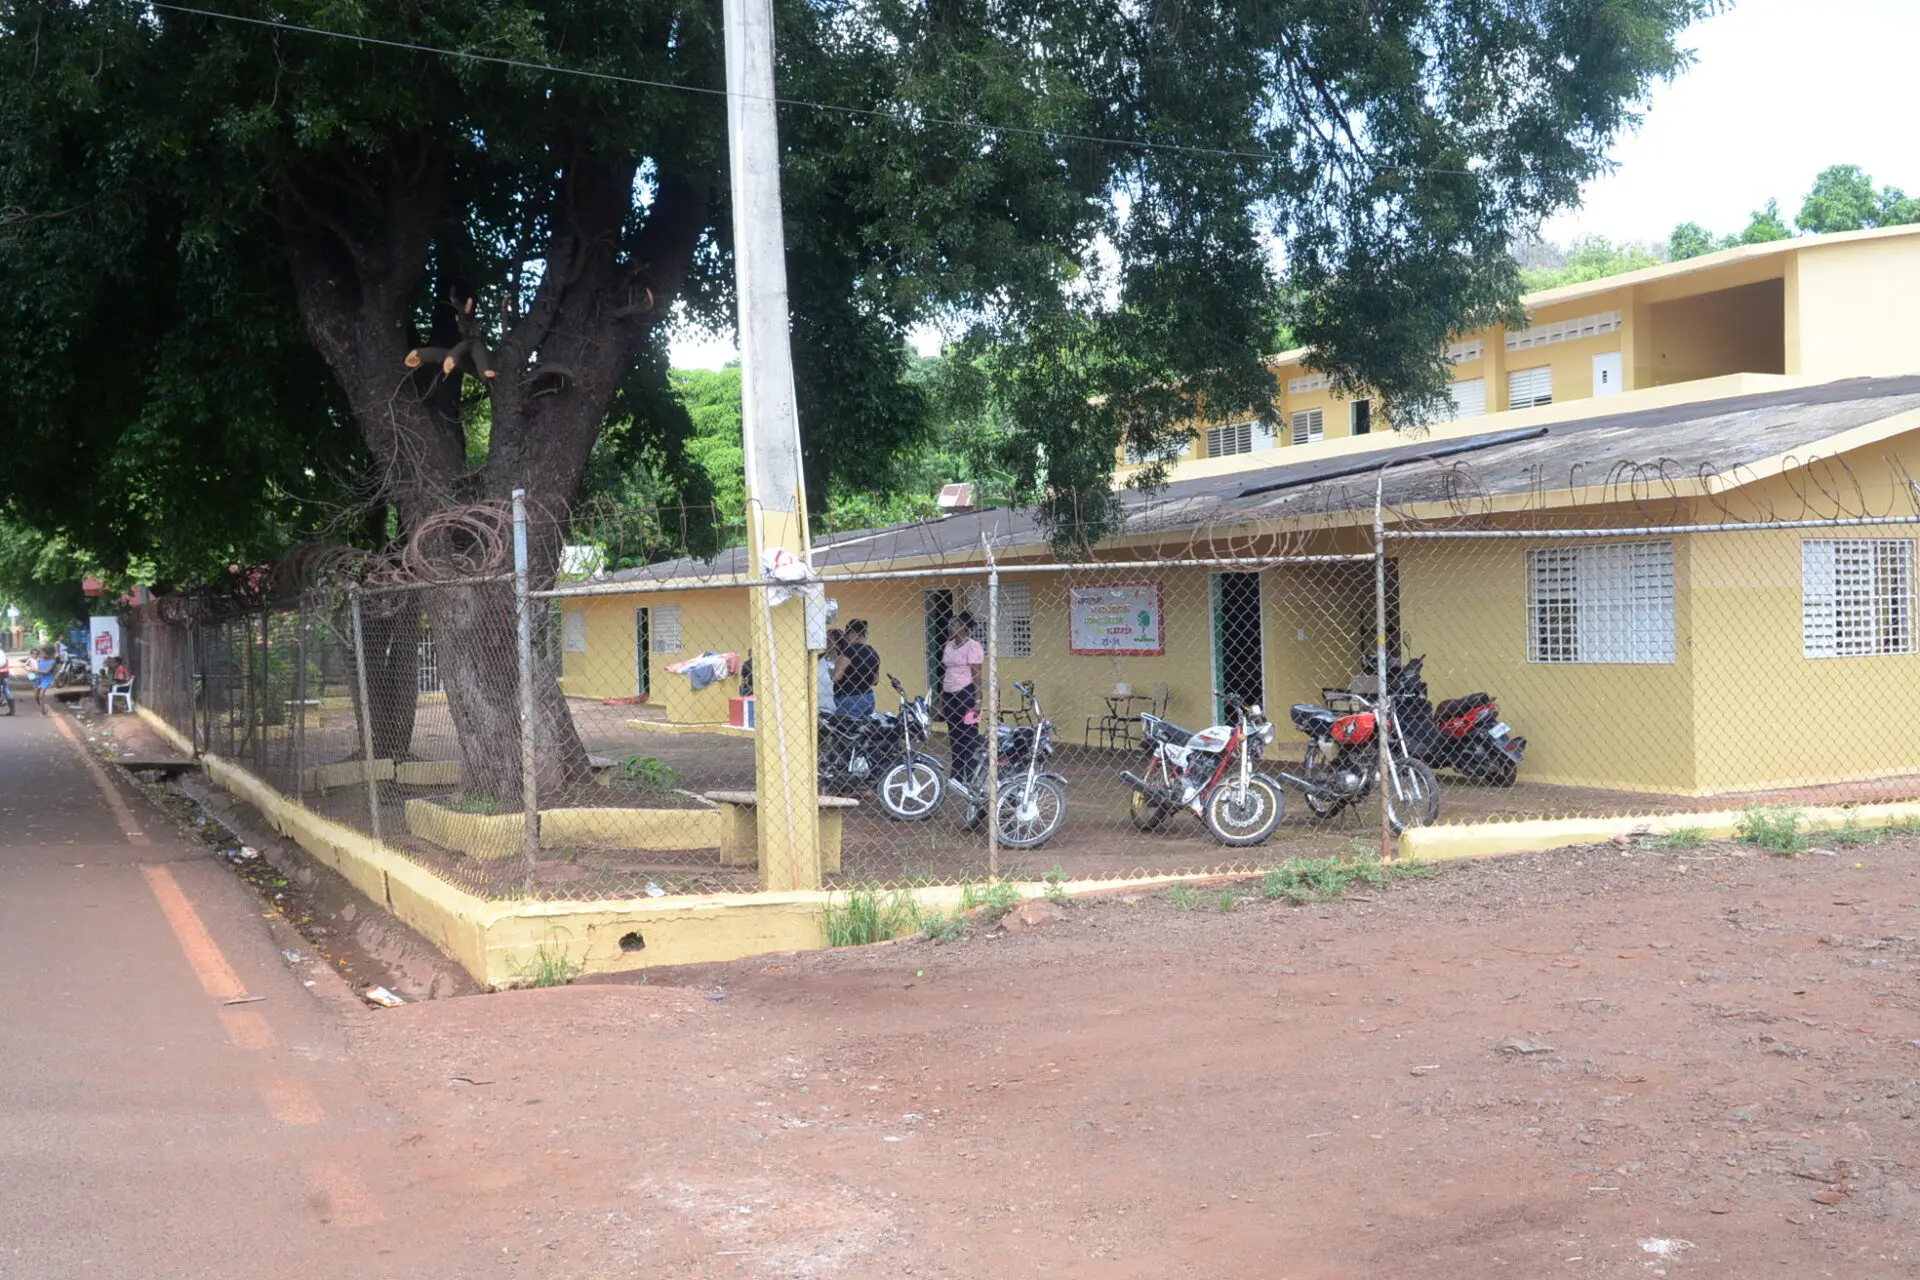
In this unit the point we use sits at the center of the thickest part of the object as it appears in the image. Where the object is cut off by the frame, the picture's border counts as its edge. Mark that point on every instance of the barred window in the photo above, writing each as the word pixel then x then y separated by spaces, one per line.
pixel 663 629
pixel 1856 597
pixel 574 631
pixel 1016 617
pixel 1608 603
pixel 1229 437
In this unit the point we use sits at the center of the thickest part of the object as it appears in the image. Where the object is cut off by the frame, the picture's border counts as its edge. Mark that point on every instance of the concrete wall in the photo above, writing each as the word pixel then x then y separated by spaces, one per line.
pixel 1859 307
pixel 714 619
pixel 1737 330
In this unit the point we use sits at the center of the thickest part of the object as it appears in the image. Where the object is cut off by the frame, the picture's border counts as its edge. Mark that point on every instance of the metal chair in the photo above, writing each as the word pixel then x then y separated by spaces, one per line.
pixel 1018 715
pixel 122 691
pixel 1111 727
pixel 1157 704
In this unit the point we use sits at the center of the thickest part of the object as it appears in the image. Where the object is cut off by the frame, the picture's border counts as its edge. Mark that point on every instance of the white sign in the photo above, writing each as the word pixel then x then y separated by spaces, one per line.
pixel 103 643
pixel 1121 618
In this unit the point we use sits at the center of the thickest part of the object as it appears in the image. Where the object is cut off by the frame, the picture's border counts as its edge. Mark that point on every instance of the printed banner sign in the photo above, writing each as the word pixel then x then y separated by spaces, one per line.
pixel 1118 619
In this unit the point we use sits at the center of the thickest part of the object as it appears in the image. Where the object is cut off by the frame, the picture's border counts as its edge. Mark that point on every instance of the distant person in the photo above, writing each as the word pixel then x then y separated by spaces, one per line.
pixel 829 659
pixel 858 672
pixel 44 665
pixel 960 663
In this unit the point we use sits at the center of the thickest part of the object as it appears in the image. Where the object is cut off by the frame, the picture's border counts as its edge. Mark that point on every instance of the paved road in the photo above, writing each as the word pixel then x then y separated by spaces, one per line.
pixel 151 1123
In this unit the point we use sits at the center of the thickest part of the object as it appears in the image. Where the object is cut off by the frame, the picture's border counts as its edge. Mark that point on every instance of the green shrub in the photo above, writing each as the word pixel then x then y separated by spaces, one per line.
pixel 1775 830
pixel 868 915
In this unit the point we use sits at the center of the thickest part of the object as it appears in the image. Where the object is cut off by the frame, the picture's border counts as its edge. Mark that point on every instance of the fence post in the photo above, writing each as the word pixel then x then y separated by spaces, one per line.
pixel 1382 718
pixel 365 713
pixel 523 616
pixel 990 718
pixel 300 705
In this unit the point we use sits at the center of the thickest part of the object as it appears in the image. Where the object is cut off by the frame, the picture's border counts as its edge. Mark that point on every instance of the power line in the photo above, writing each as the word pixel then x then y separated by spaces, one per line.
pixel 521 64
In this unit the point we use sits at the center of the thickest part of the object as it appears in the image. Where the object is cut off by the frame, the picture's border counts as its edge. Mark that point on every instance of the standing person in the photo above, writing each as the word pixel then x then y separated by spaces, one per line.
pixel 960 663
pixel 829 661
pixel 859 671
pixel 44 666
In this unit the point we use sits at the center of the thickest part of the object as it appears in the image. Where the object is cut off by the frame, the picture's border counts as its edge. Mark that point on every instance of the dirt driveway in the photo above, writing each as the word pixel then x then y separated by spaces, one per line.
pixel 1600 1062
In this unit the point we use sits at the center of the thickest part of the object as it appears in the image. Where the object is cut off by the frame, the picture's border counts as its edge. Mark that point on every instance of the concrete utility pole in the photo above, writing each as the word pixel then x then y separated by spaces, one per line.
pixel 784 681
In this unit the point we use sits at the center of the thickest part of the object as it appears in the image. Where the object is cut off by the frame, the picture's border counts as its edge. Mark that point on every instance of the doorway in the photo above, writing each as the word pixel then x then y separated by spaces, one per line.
pixel 642 645
pixel 1238 658
pixel 938 607
pixel 1607 373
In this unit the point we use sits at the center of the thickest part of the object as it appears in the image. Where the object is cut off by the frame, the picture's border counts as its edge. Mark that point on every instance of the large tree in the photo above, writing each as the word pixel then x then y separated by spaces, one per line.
pixel 1102 185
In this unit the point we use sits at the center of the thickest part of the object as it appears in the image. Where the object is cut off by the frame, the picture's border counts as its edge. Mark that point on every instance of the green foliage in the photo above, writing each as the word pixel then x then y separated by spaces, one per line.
pixel 1765 226
pixel 1590 258
pixel 1681 838
pixel 869 915
pixel 473 802
pixel 1056 879
pixel 1227 900
pixel 1183 897
pixel 649 773
pixel 944 926
pixel 1851 834
pixel 994 898
pixel 1301 880
pixel 550 967
pixel 1844 199
pixel 1777 830
pixel 1690 240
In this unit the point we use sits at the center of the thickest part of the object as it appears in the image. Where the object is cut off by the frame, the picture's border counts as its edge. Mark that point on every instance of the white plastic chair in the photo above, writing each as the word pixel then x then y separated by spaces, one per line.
pixel 122 691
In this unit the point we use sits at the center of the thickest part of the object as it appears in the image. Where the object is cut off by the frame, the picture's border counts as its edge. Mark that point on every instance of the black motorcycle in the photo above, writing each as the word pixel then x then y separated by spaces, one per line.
pixel 1465 734
pixel 1343 763
pixel 880 752
pixel 1032 802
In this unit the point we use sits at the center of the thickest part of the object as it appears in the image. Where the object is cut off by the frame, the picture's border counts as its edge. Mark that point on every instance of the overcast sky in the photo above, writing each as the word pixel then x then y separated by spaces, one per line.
pixel 1780 89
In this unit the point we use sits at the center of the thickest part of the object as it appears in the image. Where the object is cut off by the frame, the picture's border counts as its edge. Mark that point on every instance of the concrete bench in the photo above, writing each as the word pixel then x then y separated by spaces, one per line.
pixel 740 834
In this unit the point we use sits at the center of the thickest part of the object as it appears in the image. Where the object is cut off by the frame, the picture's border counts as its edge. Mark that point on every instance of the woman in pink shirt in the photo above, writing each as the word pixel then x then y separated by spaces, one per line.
pixel 960 663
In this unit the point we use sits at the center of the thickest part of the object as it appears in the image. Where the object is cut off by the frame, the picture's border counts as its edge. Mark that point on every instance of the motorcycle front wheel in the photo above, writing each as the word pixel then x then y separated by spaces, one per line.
pixel 1030 812
pixel 1414 800
pixel 1243 816
pixel 912 789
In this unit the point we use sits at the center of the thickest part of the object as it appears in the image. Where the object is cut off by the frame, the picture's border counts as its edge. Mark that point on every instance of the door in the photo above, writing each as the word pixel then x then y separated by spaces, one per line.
pixel 1237 655
pixel 642 645
pixel 938 606
pixel 1607 373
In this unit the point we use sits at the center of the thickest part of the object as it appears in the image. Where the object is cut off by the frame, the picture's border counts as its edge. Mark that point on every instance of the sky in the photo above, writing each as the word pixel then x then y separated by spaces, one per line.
pixel 1779 90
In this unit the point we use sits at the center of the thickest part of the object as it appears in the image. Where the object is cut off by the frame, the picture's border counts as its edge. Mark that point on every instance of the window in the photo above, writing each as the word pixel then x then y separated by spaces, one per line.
pixel 1529 387
pixel 663 629
pixel 1461 352
pixel 1308 426
pixel 1470 398
pixel 1856 597
pixel 1360 416
pixel 1231 437
pixel 1546 335
pixel 1016 617
pixel 1611 603
pixel 1308 382
pixel 574 632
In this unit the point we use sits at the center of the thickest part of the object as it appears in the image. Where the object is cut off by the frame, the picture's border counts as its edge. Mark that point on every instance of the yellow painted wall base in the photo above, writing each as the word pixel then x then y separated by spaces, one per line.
pixel 632 828
pixel 485 837
pixel 1494 839
pixel 348 773
pixel 740 836
pixel 680 727
pixel 427 773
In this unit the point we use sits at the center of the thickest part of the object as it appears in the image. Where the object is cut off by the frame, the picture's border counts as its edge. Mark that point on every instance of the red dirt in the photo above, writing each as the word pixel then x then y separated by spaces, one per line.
pixel 1725 1086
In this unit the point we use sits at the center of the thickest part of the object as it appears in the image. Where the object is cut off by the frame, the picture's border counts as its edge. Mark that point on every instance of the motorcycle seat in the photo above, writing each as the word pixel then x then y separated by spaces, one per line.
pixel 1460 706
pixel 1308 716
pixel 1154 729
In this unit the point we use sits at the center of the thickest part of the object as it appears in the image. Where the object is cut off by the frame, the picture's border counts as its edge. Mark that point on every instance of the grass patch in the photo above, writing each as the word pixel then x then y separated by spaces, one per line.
pixel 1184 897
pixel 647 773
pixel 1852 835
pixel 1684 838
pixel 869 915
pixel 1301 880
pixel 1056 879
pixel 1227 899
pixel 944 926
pixel 993 897
pixel 473 802
pixel 1779 831
pixel 549 967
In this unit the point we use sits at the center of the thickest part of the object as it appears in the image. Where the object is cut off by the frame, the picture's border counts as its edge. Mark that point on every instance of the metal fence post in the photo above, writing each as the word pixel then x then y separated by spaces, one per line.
pixel 300 704
pixel 366 713
pixel 523 615
pixel 1382 717
pixel 991 717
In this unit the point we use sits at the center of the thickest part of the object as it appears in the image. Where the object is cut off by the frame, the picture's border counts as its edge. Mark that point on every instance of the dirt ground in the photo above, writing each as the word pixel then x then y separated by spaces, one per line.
pixel 1599 1062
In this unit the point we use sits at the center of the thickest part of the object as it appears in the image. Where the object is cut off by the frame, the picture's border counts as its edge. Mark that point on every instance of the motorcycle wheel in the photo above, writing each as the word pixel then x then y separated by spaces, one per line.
pixel 1501 773
pixel 1244 819
pixel 1030 814
pixel 1146 815
pixel 912 789
pixel 1417 801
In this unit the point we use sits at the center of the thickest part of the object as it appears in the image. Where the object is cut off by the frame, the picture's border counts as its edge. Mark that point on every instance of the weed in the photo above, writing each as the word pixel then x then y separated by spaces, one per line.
pixel 868 915
pixel 1684 838
pixel 942 926
pixel 1183 897
pixel 1775 830
pixel 473 802
pixel 1324 879
pixel 550 967
pixel 1227 899
pixel 1056 879
pixel 997 896
pixel 648 773
pixel 1852 833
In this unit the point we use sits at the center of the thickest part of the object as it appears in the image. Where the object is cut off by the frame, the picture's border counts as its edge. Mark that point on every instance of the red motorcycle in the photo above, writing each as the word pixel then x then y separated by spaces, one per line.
pixel 1343 764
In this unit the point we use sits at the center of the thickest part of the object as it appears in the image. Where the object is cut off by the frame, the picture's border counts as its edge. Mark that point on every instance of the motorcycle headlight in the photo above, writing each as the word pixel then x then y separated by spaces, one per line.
pixel 1253 712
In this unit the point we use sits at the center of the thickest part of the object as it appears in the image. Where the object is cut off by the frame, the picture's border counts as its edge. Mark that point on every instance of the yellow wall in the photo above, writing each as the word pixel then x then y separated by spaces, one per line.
pixel 713 620
pixel 1739 330
pixel 1859 307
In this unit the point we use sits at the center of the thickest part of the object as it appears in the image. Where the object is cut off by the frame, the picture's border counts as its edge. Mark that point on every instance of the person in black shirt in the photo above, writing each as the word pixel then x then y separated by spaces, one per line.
pixel 859 671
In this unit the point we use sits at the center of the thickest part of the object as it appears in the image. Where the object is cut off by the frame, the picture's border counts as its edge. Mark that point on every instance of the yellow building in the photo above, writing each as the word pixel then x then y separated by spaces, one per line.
pixel 1677 656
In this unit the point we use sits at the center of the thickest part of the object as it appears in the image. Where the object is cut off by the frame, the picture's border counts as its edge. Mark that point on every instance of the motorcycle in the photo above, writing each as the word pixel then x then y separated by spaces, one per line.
pixel 1211 773
pixel 74 669
pixel 1342 763
pixel 1032 802
pixel 1465 734
pixel 879 751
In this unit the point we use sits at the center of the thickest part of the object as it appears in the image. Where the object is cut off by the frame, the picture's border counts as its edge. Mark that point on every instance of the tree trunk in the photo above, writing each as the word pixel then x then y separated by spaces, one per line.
pixel 393 674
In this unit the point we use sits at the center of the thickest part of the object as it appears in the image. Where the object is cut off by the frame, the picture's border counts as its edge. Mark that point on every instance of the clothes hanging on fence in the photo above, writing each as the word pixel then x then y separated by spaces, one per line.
pixel 707 668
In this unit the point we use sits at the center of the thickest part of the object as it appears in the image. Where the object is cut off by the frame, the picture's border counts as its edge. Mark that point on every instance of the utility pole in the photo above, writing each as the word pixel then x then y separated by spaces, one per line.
pixel 784 681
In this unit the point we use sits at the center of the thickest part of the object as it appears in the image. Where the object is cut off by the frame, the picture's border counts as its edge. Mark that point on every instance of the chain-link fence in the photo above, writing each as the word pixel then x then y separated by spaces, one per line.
pixel 928 714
